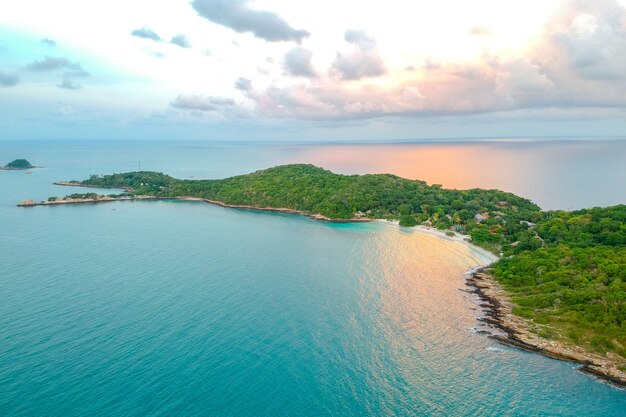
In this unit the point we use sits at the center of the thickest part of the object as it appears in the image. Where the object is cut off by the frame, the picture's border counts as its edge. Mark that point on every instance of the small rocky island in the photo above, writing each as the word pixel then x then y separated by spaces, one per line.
pixel 18 164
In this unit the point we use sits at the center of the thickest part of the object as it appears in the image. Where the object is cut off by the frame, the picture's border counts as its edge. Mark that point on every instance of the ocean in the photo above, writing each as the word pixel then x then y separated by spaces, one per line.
pixel 182 308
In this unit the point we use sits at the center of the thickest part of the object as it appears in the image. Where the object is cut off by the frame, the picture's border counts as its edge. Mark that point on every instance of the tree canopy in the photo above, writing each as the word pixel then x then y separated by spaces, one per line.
pixel 19 164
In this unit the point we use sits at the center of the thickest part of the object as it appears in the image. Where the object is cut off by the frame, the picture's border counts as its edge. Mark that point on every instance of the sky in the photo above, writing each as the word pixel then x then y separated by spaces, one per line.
pixel 345 70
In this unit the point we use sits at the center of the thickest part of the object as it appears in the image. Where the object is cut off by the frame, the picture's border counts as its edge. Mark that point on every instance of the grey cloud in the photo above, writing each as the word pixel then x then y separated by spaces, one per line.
pixel 361 63
pixel 78 72
pixel 48 42
pixel 590 38
pixel 236 15
pixel 69 84
pixel 8 80
pixel 582 50
pixel 50 63
pixel 200 102
pixel 181 40
pixel 146 33
pixel 298 63
pixel 243 84
pixel 359 38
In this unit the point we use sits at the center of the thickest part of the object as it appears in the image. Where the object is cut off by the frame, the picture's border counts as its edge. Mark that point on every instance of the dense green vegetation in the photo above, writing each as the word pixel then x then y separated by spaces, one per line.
pixel 575 280
pixel 19 164
pixel 566 270
pixel 317 191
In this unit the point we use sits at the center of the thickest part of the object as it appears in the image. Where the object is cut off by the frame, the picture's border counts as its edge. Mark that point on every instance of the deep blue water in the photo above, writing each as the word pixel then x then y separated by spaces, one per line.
pixel 180 308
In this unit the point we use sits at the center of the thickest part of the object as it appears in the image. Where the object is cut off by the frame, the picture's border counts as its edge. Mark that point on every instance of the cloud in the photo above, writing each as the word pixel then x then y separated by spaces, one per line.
pixel 359 38
pixel 479 31
pixel 489 86
pixel 200 102
pixel 363 62
pixel 582 50
pixel 236 15
pixel 575 63
pixel 146 33
pixel 8 80
pixel 298 63
pixel 48 42
pixel 181 40
pixel 588 39
pixel 50 63
pixel 359 65
pixel 77 73
pixel 243 84
pixel 69 84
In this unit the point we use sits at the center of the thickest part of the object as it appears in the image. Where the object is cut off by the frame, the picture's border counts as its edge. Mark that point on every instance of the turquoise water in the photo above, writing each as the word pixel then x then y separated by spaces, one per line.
pixel 181 308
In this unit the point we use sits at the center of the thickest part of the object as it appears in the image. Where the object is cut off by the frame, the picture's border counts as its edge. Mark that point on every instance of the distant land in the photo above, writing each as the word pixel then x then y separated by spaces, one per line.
pixel 559 287
pixel 18 164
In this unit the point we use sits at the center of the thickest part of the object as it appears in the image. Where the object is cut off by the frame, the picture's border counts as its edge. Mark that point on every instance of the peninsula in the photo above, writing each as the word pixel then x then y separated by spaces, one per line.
pixel 18 164
pixel 559 287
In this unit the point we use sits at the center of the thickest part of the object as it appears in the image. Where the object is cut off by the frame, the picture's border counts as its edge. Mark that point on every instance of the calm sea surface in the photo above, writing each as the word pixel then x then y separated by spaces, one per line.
pixel 181 308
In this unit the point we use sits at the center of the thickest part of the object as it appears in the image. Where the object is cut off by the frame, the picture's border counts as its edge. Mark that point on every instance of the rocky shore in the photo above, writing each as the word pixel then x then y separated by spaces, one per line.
pixel 523 334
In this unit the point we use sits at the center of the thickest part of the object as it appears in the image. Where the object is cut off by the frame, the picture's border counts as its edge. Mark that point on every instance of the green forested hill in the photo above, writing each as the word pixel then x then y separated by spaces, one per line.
pixel 19 164
pixel 318 191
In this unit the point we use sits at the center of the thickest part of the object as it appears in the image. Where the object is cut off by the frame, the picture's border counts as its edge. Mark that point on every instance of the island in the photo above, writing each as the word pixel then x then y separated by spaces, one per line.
pixel 558 288
pixel 18 164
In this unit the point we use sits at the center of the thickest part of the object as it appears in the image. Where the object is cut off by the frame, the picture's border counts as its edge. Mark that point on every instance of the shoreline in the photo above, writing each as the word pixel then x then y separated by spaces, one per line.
pixel 493 299
pixel 522 334
pixel 486 257
pixel 5 168
pixel 105 199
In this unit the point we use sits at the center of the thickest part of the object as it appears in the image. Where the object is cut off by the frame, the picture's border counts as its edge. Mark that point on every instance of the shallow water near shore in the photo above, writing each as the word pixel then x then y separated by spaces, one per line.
pixel 184 308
